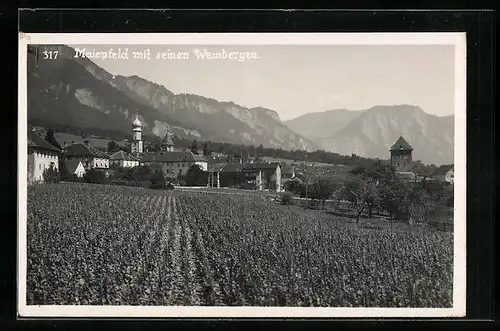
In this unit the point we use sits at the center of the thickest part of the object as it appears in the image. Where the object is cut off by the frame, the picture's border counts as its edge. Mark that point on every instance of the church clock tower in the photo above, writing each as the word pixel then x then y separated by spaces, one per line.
pixel 137 147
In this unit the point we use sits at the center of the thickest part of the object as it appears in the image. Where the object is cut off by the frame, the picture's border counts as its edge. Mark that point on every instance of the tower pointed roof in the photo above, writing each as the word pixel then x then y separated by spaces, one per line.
pixel 401 144
pixel 167 140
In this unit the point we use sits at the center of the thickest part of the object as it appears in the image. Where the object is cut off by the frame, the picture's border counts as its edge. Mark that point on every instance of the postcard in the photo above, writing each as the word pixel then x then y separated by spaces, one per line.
pixel 242 175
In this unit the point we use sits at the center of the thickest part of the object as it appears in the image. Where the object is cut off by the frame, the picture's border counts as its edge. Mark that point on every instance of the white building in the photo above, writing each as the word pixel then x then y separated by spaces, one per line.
pixel 201 161
pixel 137 143
pixel 41 155
pixel 445 173
pixel 124 160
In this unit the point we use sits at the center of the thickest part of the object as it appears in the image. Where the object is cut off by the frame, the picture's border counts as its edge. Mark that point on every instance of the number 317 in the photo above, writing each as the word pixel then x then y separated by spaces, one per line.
pixel 50 55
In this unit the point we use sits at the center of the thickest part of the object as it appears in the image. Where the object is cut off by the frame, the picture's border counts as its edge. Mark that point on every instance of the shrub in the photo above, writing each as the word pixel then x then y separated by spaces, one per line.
pixel 94 176
pixel 158 180
pixel 196 176
pixel 51 175
pixel 286 198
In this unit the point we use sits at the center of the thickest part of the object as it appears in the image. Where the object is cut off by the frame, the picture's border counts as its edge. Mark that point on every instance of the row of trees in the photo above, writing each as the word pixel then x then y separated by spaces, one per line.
pixel 376 187
pixel 147 176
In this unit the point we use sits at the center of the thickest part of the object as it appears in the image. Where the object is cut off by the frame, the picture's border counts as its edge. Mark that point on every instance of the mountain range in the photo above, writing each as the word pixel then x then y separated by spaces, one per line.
pixel 371 132
pixel 77 92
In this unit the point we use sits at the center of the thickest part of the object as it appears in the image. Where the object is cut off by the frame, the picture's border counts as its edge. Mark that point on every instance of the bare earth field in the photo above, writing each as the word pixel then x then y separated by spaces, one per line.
pixel 109 245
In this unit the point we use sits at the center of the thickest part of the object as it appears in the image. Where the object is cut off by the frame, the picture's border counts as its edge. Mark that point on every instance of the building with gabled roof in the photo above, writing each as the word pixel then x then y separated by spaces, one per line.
pixel 401 154
pixel 75 168
pixel 41 155
pixel 264 175
pixel 124 160
pixel 445 173
pixel 257 175
pixel 173 164
pixel 91 157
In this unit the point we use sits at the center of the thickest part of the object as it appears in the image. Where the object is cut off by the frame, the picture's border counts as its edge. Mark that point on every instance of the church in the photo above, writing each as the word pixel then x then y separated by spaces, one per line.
pixel 173 163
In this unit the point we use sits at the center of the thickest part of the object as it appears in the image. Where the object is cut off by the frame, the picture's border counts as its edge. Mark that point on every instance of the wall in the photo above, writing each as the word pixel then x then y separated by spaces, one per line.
pixel 137 147
pixel 173 169
pixel 401 159
pixel 202 165
pixel 100 163
pixel 42 160
pixel 80 170
pixel 128 163
pixel 31 167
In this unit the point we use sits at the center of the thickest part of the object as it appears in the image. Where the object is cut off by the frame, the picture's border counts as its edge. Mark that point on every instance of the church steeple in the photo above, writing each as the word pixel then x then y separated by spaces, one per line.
pixel 137 144
pixel 167 145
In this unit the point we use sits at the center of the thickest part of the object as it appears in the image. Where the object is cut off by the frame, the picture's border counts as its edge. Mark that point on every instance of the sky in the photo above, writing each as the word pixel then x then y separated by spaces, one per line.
pixel 297 79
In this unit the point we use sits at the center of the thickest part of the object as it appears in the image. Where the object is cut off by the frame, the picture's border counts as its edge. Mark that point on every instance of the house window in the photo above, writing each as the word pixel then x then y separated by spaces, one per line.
pixel 39 166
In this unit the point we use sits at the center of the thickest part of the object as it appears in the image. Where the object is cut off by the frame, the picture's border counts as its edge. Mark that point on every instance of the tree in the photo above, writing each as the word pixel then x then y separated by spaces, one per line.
pixel 321 189
pixel 259 151
pixel 380 181
pixel 196 176
pixel 51 175
pixel 206 150
pixel 286 198
pixel 113 147
pixel 94 176
pixel 157 179
pixel 49 137
pixel 64 173
pixel 194 147
pixel 295 187
pixel 356 191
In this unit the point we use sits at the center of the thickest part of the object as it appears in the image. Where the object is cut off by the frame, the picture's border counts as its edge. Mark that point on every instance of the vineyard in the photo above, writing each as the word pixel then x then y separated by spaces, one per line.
pixel 106 245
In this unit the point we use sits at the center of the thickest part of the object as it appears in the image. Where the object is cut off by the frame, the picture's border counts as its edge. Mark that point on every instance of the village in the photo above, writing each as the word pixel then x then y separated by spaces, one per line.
pixel 316 186
pixel 258 173
pixel 335 189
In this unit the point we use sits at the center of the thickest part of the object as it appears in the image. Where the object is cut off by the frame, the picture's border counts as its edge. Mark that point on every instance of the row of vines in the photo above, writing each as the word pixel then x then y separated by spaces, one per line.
pixel 105 245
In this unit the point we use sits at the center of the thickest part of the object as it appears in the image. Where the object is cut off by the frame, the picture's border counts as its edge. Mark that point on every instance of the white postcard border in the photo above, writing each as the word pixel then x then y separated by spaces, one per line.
pixel 459 281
